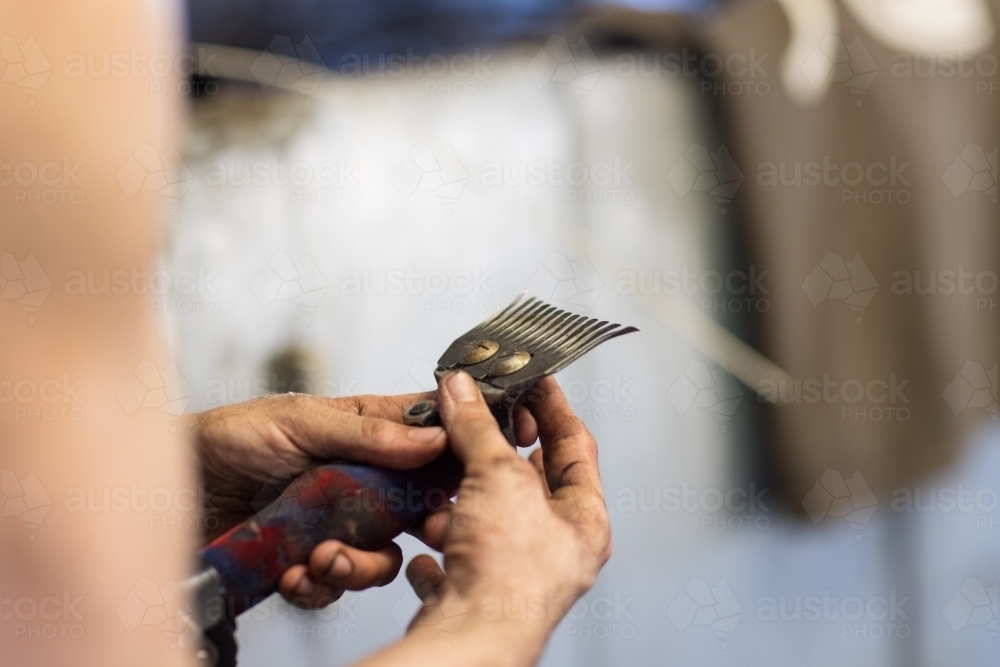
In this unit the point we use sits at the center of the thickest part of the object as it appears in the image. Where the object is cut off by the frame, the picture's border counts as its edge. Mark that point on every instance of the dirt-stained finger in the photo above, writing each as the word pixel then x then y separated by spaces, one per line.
pixel 569 451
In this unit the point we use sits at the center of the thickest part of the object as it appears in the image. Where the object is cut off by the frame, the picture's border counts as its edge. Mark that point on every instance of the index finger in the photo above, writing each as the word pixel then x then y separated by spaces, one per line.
pixel 316 428
pixel 569 452
pixel 382 407
pixel 393 407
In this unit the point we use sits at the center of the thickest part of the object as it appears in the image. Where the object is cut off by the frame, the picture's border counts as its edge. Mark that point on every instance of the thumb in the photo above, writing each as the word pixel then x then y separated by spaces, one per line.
pixel 320 429
pixel 472 430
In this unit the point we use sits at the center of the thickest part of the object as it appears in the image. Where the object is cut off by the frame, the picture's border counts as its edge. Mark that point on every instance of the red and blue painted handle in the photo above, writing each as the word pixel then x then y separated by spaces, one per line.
pixel 362 506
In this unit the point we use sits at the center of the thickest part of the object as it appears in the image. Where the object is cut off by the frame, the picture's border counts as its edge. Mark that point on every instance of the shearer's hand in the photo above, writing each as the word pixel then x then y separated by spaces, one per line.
pixel 522 535
pixel 250 450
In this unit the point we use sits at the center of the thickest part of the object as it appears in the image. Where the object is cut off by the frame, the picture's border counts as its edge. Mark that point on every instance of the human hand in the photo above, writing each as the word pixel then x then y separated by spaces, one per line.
pixel 250 448
pixel 520 533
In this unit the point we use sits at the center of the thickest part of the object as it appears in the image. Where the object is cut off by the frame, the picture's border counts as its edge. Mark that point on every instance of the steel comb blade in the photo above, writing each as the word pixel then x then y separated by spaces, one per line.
pixel 512 350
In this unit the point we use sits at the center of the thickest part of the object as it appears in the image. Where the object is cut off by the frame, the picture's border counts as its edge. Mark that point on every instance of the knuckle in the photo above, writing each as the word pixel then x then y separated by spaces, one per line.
pixel 374 405
pixel 305 407
pixel 354 405
pixel 342 403
pixel 297 402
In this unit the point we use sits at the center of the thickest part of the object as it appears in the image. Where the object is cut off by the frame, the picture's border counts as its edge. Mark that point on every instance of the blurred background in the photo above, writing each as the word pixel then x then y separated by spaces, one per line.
pixel 794 200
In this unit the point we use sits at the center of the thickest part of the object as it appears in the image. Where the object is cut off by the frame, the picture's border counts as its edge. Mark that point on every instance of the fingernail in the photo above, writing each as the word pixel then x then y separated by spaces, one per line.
pixel 341 566
pixel 304 587
pixel 425 434
pixel 461 387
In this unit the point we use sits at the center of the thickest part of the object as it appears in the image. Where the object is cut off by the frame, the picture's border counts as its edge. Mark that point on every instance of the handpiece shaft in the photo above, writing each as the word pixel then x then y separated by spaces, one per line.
pixel 361 506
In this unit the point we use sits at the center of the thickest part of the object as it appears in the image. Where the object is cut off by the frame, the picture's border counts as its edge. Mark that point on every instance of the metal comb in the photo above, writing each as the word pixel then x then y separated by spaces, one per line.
pixel 511 351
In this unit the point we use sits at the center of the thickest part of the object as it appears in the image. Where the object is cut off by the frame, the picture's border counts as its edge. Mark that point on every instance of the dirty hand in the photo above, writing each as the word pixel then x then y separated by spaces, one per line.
pixel 524 540
pixel 249 451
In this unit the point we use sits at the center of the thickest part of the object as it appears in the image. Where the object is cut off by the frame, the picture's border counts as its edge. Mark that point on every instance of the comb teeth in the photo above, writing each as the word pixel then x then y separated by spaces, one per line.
pixel 557 336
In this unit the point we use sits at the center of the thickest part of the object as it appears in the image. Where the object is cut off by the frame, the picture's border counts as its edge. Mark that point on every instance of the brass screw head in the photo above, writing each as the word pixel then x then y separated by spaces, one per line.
pixel 479 350
pixel 510 363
